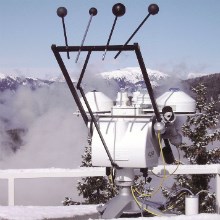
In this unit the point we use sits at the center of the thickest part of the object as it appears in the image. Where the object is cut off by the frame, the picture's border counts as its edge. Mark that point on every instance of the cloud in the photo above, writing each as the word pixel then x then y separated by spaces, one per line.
pixel 183 69
pixel 55 137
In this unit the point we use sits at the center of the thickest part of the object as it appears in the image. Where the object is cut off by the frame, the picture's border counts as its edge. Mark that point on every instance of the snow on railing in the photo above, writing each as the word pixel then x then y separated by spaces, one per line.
pixel 11 175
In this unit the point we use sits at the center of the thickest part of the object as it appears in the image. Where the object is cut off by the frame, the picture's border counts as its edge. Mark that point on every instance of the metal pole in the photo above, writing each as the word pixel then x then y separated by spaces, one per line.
pixel 97 128
pixel 147 81
pixel 83 70
pixel 84 37
pixel 103 56
pixel 65 37
pixel 11 191
pixel 132 35
pixel 94 48
pixel 218 193
pixel 70 83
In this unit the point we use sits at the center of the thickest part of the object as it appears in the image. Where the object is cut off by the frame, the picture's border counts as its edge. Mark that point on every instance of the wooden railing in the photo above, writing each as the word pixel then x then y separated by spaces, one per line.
pixel 12 175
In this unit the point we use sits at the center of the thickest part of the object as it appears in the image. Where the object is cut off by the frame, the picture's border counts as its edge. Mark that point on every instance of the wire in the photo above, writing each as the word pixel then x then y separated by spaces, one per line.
pixel 172 205
pixel 181 191
pixel 111 181
pixel 168 98
pixel 164 176
pixel 178 196
pixel 161 151
pixel 138 203
pixel 177 167
pixel 206 191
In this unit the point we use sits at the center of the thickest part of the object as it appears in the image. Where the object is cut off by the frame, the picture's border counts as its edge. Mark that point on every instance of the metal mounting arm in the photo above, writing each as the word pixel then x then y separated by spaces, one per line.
pixel 69 82
pixel 147 81
pixel 90 110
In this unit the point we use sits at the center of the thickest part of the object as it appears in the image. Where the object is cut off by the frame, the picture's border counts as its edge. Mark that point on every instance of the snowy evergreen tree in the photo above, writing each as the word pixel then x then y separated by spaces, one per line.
pixel 201 130
pixel 95 190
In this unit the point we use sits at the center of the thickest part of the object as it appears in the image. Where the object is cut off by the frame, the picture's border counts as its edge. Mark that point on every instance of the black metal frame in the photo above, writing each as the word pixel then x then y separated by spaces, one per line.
pixel 135 47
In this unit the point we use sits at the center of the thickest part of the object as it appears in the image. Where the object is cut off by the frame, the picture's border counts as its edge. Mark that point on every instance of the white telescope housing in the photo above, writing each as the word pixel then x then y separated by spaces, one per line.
pixel 129 139
pixel 98 102
pixel 178 100
pixel 130 142
pixel 127 127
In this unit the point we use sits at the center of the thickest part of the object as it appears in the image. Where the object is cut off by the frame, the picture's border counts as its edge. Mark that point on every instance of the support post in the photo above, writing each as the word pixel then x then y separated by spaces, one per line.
pixel 11 191
pixel 218 193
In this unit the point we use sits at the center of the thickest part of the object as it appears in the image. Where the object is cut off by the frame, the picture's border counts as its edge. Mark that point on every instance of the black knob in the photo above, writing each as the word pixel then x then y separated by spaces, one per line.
pixel 93 11
pixel 118 9
pixel 62 12
pixel 153 9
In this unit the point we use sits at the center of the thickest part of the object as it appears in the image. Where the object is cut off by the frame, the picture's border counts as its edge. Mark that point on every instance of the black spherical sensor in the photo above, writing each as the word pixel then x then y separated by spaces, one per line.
pixel 118 9
pixel 93 11
pixel 153 9
pixel 62 12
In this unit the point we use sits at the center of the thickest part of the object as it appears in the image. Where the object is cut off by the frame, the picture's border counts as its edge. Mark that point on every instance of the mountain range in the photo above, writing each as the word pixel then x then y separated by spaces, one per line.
pixel 127 78
pixel 130 77
pixel 14 82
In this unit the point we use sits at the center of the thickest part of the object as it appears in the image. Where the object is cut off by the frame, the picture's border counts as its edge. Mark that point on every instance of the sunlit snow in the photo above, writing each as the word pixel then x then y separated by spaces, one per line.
pixel 77 212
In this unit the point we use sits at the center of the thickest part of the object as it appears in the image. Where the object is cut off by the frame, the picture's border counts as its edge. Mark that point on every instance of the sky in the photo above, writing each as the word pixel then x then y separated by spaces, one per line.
pixel 182 38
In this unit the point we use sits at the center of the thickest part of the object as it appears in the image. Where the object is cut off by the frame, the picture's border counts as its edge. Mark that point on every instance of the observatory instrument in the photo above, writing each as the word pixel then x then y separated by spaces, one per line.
pixel 124 133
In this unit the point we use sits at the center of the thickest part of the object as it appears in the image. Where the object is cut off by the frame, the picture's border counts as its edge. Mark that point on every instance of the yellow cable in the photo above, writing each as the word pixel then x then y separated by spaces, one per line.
pixel 110 177
pixel 138 203
pixel 111 181
pixel 161 151
pixel 177 167
pixel 164 176
pixel 161 183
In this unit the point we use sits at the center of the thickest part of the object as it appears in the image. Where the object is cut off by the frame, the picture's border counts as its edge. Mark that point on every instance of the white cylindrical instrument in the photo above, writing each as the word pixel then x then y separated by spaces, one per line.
pixel 192 205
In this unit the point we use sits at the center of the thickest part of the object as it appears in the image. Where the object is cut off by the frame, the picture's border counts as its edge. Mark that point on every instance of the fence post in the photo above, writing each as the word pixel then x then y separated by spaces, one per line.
pixel 218 193
pixel 11 191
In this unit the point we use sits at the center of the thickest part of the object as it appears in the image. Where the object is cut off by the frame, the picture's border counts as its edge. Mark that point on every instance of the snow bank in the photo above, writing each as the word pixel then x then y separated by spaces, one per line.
pixel 180 217
pixel 79 212
pixel 48 212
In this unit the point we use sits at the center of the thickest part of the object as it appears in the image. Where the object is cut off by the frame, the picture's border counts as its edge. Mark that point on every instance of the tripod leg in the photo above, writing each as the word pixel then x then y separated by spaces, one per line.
pixel 123 202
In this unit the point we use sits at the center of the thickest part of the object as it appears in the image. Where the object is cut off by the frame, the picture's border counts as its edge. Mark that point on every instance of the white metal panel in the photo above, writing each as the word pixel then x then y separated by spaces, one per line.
pixel 129 141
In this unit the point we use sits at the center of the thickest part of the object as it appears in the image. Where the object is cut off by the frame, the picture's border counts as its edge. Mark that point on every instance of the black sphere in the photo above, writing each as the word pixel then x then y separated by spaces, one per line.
pixel 118 9
pixel 93 11
pixel 153 9
pixel 62 12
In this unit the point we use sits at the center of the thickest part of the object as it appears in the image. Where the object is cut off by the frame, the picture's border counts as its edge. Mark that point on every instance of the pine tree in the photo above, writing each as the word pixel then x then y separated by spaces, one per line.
pixel 201 131
pixel 95 190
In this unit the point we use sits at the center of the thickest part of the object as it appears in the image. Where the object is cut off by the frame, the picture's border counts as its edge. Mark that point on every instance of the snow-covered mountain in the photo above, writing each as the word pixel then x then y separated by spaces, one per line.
pixel 126 77
pixel 13 82
pixel 132 77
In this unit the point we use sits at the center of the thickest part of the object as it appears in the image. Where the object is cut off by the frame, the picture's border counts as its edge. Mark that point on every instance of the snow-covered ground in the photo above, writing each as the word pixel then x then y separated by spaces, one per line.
pixel 48 212
pixel 78 212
